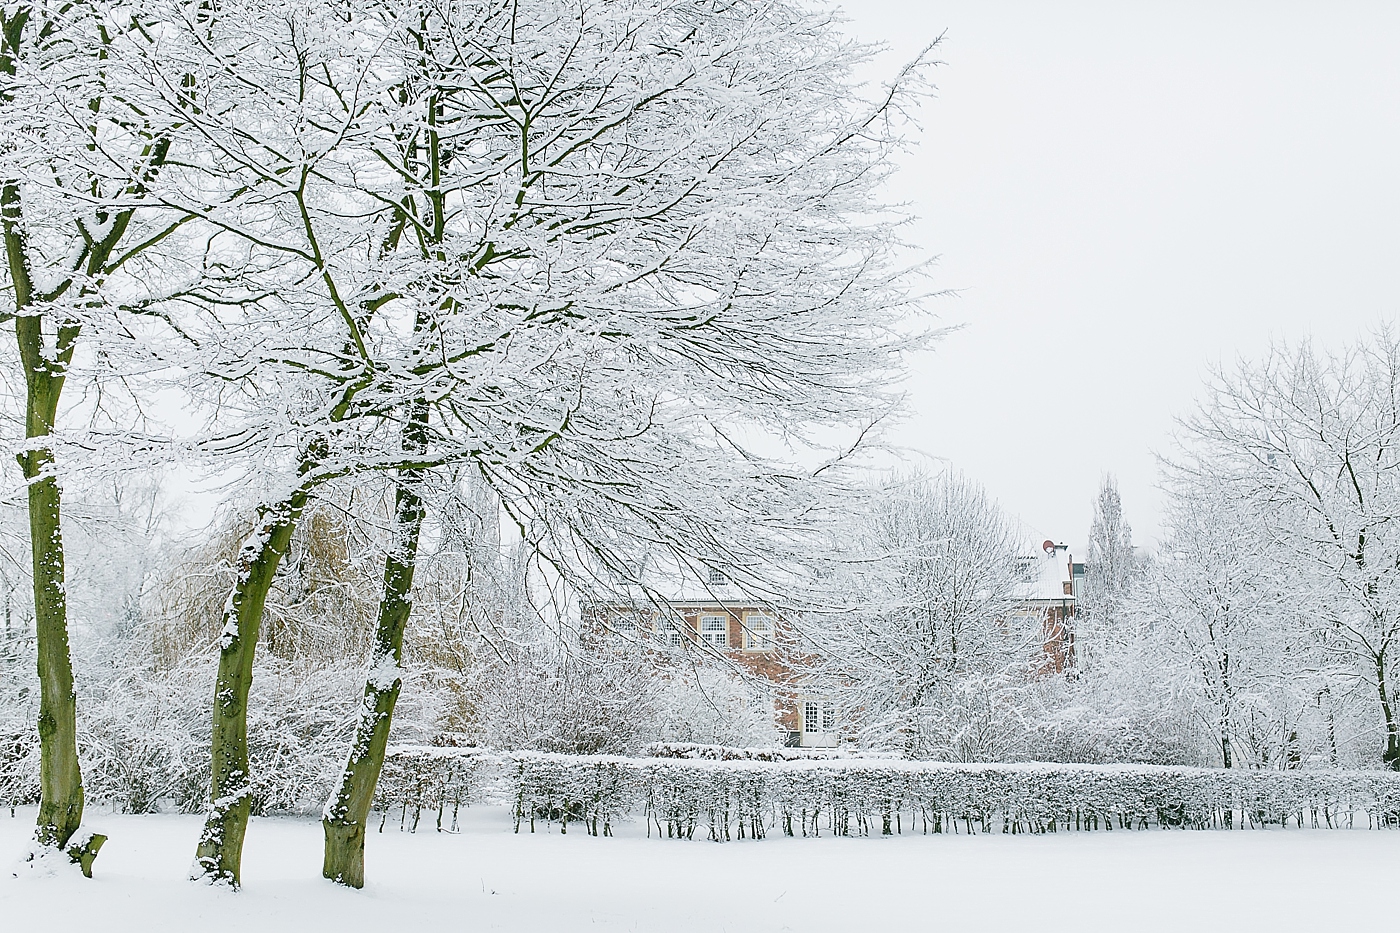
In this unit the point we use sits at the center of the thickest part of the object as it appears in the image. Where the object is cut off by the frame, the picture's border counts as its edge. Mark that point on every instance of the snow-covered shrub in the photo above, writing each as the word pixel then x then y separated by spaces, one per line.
pixel 737 799
pixel 144 741
pixel 1122 714
pixel 746 753
pixel 144 735
pixel 520 682
pixel 544 698
pixel 19 709
pixel 714 706
pixel 421 778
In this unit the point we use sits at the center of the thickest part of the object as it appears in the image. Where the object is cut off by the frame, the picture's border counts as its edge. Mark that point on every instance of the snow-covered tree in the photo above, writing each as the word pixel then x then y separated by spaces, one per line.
pixel 589 250
pixel 78 223
pixel 1228 610
pixel 1112 560
pixel 1312 441
pixel 922 640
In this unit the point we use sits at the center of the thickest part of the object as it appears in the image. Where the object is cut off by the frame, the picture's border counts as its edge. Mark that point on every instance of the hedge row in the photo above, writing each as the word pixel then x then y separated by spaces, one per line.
pixel 736 799
pixel 426 778
pixel 729 753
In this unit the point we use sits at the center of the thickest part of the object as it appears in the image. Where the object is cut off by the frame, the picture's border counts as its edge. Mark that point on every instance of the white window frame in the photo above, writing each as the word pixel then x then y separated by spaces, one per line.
pixel 756 638
pixel 715 637
pixel 671 633
pixel 818 717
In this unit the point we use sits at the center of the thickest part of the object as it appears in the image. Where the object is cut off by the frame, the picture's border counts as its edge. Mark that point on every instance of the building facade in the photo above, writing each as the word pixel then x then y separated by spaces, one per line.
pixel 760 639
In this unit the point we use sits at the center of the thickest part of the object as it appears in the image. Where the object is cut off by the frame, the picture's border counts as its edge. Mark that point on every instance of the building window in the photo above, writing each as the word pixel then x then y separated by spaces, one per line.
pixel 671 634
pixel 717 578
pixel 758 631
pixel 714 630
pixel 818 716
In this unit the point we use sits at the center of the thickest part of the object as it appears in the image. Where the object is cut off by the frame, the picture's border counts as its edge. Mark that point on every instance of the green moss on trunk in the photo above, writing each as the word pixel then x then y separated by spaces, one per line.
pixel 347 812
pixel 219 855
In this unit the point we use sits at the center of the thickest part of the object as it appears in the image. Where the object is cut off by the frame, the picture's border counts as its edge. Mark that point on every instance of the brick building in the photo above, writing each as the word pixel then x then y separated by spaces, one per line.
pixel 1048 590
pixel 752 635
pixel 713 618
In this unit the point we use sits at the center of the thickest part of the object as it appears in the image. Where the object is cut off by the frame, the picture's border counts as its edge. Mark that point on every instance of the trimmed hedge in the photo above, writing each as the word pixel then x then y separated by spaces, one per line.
pixel 737 799
pixel 727 753
pixel 418 778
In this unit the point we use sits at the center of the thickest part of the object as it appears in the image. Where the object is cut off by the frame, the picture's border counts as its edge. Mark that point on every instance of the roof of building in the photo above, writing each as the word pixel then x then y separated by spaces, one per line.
pixel 1046 578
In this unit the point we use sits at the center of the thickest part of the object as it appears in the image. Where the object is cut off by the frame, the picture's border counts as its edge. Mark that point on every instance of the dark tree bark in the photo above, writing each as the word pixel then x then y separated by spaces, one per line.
pixel 1391 754
pixel 60 778
pixel 347 812
pixel 220 852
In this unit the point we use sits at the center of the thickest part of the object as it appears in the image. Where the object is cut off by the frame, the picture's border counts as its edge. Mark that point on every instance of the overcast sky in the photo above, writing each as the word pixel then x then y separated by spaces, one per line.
pixel 1125 194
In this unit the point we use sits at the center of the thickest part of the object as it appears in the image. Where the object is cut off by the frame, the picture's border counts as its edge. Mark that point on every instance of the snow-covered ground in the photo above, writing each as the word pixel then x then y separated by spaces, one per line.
pixel 487 878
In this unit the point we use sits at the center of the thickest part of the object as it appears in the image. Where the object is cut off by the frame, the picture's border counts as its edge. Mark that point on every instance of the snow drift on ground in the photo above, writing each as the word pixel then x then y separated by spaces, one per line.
pixel 487 878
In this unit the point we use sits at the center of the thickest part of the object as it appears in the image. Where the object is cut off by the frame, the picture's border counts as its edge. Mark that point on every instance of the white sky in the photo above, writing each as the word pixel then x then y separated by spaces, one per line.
pixel 1125 193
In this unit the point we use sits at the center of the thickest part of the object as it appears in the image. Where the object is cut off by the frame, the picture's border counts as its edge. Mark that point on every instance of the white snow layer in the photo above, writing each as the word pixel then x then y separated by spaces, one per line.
pixel 487 878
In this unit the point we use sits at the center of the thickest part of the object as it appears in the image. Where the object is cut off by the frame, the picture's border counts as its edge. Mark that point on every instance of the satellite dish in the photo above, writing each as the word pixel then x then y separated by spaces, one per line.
pixel 1048 547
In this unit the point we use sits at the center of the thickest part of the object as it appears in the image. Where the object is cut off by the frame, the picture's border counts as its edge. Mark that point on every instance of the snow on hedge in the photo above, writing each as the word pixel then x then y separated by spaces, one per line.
pixel 682 797
pixel 418 778
pixel 728 753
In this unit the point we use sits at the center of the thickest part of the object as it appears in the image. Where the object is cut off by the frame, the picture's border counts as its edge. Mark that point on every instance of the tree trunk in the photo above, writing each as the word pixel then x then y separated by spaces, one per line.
pixel 1391 754
pixel 220 853
pixel 45 362
pixel 60 778
pixel 347 812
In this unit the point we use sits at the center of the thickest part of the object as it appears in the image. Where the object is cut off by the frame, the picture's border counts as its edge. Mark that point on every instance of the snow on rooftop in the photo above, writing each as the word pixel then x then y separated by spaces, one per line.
pixel 1047 577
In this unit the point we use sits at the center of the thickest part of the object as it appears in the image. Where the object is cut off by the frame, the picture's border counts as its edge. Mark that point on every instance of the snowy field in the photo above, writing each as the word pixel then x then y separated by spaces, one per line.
pixel 487 878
